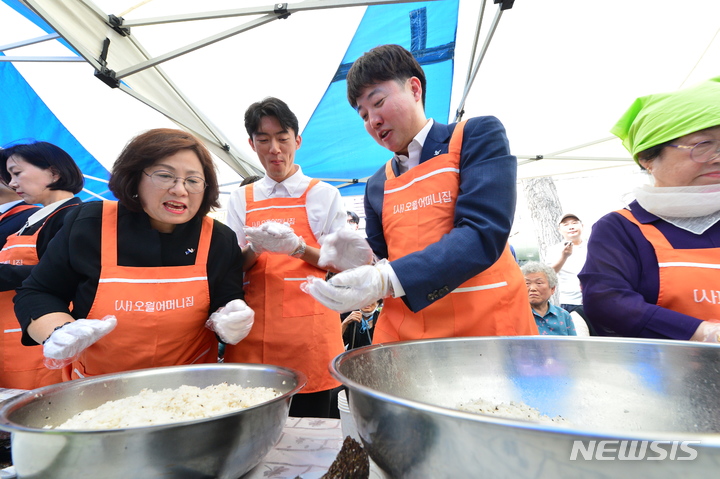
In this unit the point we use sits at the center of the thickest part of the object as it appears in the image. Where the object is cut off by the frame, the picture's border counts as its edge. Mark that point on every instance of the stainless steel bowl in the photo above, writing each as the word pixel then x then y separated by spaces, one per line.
pixel 664 395
pixel 225 446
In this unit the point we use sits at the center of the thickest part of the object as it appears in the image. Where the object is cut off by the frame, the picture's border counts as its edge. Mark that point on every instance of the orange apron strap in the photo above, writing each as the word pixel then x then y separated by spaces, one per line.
pixel 16 209
pixel 108 235
pixel 389 173
pixel 249 196
pixel 455 146
pixel 650 232
pixel 313 182
pixel 204 243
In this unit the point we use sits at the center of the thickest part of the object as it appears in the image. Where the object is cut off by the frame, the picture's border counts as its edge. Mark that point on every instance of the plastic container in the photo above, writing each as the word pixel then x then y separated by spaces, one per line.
pixel 347 423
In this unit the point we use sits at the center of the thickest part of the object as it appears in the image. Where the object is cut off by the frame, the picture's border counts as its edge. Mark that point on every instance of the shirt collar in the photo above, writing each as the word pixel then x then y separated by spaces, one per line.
pixel 641 214
pixel 5 207
pixel 43 212
pixel 414 149
pixel 285 188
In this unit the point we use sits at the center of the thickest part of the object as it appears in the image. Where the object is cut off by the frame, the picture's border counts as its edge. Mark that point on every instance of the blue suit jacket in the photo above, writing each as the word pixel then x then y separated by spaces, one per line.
pixel 484 213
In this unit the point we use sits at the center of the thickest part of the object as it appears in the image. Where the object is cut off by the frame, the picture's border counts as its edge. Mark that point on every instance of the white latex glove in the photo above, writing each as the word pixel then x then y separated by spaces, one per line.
pixel 67 342
pixel 273 237
pixel 345 249
pixel 707 332
pixel 232 322
pixel 353 288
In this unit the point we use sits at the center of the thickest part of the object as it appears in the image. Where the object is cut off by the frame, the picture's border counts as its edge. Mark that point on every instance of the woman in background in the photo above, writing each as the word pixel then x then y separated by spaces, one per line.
pixel 143 274
pixel 44 174
pixel 652 269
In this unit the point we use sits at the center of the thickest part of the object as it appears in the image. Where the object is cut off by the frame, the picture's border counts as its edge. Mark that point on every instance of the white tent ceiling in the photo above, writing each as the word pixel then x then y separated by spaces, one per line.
pixel 557 73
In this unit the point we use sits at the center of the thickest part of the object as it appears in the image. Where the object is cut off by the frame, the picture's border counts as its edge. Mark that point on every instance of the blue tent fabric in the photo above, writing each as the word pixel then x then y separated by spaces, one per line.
pixel 25 118
pixel 336 148
pixel 21 8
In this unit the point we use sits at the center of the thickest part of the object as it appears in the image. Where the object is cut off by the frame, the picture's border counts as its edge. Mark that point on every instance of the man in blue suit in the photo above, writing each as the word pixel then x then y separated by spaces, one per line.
pixel 439 213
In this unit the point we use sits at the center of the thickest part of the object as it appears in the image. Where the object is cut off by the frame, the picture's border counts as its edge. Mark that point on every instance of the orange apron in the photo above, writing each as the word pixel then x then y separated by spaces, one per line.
pixel 687 276
pixel 161 311
pixel 22 366
pixel 291 329
pixel 16 209
pixel 418 209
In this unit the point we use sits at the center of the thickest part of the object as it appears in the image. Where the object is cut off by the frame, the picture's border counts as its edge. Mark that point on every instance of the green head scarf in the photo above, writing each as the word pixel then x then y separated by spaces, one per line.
pixel 655 119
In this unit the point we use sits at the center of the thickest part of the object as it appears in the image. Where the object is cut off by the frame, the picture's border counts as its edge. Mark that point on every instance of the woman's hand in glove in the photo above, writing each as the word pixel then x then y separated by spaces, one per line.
pixel 232 322
pixel 353 288
pixel 273 237
pixel 345 249
pixel 69 340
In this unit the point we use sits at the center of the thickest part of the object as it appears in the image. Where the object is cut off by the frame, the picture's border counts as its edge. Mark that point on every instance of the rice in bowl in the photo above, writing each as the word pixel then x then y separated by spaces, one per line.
pixel 167 406
pixel 511 410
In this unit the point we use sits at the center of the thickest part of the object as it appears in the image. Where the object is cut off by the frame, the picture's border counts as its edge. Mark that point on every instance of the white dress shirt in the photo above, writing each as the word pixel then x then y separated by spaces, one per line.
pixel 414 149
pixel 325 208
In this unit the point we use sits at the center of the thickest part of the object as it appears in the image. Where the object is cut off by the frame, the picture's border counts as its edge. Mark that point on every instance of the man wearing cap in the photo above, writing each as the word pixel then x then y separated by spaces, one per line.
pixel 567 259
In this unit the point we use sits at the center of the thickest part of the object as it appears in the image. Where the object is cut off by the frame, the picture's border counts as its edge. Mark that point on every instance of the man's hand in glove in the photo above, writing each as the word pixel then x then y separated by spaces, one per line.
pixel 232 322
pixel 273 237
pixel 345 249
pixel 353 288
pixel 708 332
pixel 69 340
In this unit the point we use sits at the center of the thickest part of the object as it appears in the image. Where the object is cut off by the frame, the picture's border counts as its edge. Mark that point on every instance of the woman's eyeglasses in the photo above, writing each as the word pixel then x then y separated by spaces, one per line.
pixel 166 180
pixel 702 152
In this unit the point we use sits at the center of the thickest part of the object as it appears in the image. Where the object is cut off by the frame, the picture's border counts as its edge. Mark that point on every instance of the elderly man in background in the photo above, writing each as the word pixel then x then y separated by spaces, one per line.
pixel 541 282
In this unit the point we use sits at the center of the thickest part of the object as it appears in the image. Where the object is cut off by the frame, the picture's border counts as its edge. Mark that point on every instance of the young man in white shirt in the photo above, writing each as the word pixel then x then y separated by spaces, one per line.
pixel 280 221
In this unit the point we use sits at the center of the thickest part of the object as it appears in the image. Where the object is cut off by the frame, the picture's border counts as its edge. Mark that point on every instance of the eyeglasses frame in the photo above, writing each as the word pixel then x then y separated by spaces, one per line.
pixel 205 185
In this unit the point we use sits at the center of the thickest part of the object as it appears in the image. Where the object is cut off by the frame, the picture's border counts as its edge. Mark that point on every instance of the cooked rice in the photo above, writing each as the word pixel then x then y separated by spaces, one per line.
pixel 150 408
pixel 511 410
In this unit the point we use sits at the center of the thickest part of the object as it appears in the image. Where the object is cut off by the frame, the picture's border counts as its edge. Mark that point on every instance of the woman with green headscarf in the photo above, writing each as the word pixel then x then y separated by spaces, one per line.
pixel 653 268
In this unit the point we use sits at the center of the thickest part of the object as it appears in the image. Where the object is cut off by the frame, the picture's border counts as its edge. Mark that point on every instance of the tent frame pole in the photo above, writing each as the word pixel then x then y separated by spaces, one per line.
pixel 277 11
pixel 285 9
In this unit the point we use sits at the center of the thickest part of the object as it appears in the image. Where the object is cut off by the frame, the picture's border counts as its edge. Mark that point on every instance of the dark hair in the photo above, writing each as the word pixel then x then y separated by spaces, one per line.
pixel 46 156
pixel 148 148
pixel 383 63
pixel 653 152
pixel 270 106
pixel 250 179
pixel 354 216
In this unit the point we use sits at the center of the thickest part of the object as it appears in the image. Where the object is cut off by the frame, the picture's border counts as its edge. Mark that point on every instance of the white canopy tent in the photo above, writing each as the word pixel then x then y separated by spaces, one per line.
pixel 557 73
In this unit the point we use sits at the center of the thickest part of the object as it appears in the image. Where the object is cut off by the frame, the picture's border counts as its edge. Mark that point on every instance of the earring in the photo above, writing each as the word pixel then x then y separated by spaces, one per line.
pixel 134 196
